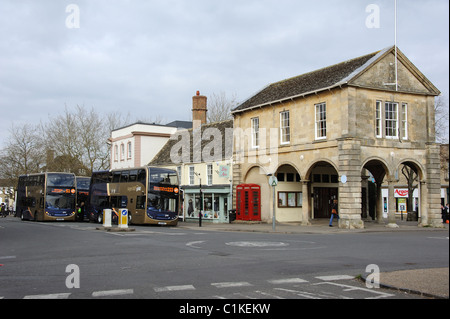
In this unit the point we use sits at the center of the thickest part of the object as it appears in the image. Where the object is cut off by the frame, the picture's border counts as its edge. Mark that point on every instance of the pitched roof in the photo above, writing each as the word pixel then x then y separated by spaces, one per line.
pixel 198 143
pixel 307 83
pixel 327 78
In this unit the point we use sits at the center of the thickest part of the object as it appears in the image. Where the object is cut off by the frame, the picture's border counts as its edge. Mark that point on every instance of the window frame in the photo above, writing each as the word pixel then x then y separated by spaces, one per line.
pixel 255 132
pixel 297 197
pixel 391 118
pixel 285 130
pixel 209 174
pixel 320 123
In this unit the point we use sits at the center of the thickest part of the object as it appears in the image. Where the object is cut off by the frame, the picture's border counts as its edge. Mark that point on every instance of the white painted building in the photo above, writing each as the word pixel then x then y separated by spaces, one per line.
pixel 135 145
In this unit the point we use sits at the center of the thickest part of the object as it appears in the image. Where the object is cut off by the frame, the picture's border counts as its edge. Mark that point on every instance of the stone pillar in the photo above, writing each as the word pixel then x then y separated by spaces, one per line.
pixel 379 207
pixel 392 223
pixel 306 204
pixel 350 184
pixel 433 186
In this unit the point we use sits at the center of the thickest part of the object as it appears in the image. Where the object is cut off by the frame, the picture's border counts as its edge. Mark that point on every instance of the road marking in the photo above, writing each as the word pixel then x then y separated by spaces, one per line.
pixel 353 288
pixel 193 244
pixel 109 293
pixel 256 244
pixel 230 284
pixel 268 294
pixel 49 296
pixel 174 288
pixel 287 281
pixel 300 293
pixel 7 257
pixel 336 277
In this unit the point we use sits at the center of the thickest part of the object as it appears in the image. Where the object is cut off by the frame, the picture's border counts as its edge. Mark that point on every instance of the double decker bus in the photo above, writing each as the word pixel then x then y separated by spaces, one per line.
pixel 83 184
pixel 46 197
pixel 151 195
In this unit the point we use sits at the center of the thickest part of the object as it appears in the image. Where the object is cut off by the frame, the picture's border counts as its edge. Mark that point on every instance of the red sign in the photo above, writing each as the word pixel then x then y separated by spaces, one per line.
pixel 401 192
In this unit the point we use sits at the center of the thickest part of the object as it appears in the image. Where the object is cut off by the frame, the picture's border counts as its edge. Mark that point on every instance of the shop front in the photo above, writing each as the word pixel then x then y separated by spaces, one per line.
pixel 212 202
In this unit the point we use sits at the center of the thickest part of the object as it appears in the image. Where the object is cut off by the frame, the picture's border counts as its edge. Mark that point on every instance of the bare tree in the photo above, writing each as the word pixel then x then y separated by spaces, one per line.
pixel 219 107
pixel 412 180
pixel 442 116
pixel 23 154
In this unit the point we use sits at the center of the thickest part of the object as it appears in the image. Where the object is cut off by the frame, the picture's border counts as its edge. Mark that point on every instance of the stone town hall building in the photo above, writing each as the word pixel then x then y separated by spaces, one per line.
pixel 323 132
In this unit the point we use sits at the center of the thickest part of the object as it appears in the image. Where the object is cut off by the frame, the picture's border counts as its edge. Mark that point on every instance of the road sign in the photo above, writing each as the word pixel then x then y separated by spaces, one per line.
pixel 123 218
pixel 273 181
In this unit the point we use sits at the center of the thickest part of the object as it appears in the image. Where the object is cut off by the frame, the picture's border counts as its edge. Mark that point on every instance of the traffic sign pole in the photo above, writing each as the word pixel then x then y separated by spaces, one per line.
pixel 273 181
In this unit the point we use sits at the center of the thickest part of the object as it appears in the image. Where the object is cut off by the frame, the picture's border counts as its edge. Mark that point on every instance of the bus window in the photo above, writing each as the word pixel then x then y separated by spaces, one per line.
pixel 141 176
pixel 116 177
pixel 133 176
pixel 60 180
pixel 124 177
pixel 119 201
pixel 140 202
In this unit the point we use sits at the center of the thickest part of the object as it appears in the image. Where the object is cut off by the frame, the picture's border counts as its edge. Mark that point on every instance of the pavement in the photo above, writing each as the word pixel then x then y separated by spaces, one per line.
pixel 430 283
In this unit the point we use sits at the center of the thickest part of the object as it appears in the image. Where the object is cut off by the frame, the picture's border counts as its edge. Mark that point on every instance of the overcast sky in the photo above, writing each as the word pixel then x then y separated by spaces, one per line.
pixel 148 58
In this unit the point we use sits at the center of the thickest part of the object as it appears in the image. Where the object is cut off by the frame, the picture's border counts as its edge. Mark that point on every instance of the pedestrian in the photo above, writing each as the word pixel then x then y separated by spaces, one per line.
pixel 447 211
pixel 334 212
pixel 443 213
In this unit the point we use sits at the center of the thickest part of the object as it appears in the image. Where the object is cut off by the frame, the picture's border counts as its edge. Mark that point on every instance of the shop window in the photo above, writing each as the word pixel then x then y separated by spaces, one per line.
pixel 290 199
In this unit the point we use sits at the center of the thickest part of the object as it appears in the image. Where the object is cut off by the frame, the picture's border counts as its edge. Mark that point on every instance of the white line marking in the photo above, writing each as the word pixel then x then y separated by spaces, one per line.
pixel 300 293
pixel 49 296
pixel 351 288
pixel 174 288
pixel 108 293
pixel 8 257
pixel 337 277
pixel 230 284
pixel 287 281
pixel 194 244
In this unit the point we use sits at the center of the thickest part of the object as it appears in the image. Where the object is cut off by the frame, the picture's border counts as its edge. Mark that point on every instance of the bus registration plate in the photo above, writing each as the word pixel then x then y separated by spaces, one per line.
pixel 162 223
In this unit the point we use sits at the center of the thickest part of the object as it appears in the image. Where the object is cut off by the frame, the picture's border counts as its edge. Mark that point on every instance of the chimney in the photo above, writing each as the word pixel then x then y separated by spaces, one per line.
pixel 198 110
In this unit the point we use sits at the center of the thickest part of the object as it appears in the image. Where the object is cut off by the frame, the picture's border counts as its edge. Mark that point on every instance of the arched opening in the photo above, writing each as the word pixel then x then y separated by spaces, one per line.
pixel 374 204
pixel 324 185
pixel 408 190
pixel 289 194
pixel 258 176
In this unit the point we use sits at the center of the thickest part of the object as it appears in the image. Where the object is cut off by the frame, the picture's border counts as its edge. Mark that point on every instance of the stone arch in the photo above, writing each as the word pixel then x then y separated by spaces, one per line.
pixel 256 174
pixel 323 185
pixel 371 195
pixel 314 163
pixel 411 174
pixel 289 194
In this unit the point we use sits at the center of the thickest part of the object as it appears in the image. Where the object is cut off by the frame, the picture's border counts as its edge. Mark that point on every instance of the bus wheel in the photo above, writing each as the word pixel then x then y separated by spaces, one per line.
pixel 129 218
pixel 100 218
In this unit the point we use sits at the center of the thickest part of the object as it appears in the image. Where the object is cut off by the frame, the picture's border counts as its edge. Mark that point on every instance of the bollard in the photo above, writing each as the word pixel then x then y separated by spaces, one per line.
pixel 123 218
pixel 107 218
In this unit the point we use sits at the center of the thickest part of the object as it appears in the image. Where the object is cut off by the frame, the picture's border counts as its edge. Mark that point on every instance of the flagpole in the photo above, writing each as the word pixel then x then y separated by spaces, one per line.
pixel 395 44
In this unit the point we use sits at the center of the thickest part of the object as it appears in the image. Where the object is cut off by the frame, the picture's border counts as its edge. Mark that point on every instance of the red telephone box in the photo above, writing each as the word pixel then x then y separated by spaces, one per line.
pixel 248 202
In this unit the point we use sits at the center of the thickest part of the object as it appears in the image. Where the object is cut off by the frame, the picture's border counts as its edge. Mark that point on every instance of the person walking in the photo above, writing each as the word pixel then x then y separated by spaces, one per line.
pixel 334 212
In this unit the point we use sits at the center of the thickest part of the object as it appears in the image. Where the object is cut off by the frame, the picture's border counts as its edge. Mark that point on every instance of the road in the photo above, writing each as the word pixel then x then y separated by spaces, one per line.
pixel 76 261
